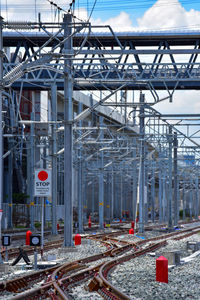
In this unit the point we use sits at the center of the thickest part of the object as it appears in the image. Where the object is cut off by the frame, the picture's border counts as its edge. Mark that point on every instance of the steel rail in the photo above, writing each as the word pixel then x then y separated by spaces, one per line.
pixel 16 284
pixel 104 270
pixel 106 289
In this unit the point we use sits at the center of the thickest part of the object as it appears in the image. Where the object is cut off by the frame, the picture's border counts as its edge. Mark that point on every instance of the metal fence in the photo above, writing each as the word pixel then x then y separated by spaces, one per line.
pixel 21 214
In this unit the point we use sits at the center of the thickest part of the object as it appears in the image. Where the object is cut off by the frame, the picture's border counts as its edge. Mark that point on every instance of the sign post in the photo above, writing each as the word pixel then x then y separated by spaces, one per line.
pixel 35 241
pixel 6 243
pixel 42 183
pixel 42 189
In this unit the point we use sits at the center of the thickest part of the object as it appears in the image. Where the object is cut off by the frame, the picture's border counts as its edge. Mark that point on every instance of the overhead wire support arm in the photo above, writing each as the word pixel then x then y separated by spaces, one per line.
pixel 85 113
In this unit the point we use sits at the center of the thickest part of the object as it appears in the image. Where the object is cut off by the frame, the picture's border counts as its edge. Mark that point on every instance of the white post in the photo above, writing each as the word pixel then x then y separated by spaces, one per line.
pixel 42 229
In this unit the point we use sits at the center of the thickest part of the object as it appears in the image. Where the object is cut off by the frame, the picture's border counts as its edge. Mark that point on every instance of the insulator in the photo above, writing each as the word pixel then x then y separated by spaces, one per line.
pixel 14 73
pixel 19 25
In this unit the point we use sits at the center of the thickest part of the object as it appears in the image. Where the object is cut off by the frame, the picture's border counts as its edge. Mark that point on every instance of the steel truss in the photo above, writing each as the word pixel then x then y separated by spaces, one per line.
pixel 142 151
pixel 105 60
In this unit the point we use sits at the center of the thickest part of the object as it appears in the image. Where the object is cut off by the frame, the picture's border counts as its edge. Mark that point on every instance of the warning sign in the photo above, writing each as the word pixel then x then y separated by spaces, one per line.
pixel 42 183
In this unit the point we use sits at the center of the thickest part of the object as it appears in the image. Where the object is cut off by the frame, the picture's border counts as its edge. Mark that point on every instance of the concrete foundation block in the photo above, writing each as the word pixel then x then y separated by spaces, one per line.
pixel 4 268
pixel 194 246
pixel 173 257
pixel 67 249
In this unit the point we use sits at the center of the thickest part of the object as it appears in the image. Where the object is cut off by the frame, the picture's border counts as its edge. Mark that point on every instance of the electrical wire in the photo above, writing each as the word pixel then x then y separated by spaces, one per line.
pixel 112 4
pixel 95 2
pixel 7 10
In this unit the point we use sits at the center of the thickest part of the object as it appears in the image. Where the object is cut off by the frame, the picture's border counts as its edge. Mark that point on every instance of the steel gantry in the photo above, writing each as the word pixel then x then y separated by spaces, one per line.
pixel 111 155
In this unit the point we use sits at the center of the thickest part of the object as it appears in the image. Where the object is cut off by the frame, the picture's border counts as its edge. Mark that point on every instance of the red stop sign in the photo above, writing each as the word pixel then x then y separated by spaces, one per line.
pixel 42 175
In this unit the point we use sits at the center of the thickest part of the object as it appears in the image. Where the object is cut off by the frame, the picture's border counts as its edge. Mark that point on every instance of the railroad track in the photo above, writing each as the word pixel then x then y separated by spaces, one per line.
pixel 20 234
pixel 59 279
pixel 13 252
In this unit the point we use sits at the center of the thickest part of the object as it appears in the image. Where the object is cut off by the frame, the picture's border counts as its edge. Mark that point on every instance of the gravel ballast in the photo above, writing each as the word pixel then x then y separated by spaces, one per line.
pixel 136 278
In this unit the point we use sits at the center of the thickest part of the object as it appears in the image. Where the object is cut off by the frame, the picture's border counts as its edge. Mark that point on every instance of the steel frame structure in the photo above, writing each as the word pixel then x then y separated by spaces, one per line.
pixel 131 160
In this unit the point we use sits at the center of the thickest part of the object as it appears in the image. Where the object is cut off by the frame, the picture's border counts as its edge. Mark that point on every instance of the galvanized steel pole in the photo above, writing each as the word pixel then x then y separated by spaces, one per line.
pixel 175 144
pixel 197 198
pixel 80 190
pixel 1 129
pixel 32 164
pixel 101 183
pixel 153 192
pixel 141 179
pixel 170 139
pixel 54 157
pixel 68 115
pixel 135 181
pixel 160 192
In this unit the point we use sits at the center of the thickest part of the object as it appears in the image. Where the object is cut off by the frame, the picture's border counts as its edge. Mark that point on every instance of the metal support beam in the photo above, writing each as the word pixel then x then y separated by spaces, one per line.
pixel 112 196
pixel 191 198
pixel 10 188
pixel 135 181
pixel 107 212
pixel 153 192
pixel 93 198
pixel 160 191
pixel 68 115
pixel 170 139
pixel 80 190
pixel 101 183
pixel 54 157
pixel 184 200
pixel 141 179
pixel 32 164
pixel 197 198
pixel 175 144
pixel 1 128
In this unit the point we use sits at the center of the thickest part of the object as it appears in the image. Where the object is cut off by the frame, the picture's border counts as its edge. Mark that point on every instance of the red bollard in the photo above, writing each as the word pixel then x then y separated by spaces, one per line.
pixel 120 221
pixel 89 222
pixel 77 239
pixel 58 226
pixel 28 234
pixel 162 269
pixel 131 231
pixel 132 224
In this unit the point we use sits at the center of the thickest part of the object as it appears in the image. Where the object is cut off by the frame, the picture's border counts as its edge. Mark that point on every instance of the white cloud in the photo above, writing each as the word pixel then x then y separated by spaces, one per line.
pixel 166 15
pixel 162 15
pixel 28 10
pixel 122 22
pixel 183 102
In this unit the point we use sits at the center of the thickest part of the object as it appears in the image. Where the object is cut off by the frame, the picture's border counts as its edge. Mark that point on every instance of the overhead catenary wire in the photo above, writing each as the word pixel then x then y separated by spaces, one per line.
pixel 102 5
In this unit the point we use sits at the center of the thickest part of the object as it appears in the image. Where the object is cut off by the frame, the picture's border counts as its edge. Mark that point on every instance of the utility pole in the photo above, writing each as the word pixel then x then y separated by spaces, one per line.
pixel 175 181
pixel 68 115
pixel 134 178
pixel 1 128
pixel 101 183
pixel 197 197
pixel 153 192
pixel 54 157
pixel 170 179
pixel 80 189
pixel 141 176
pixel 160 188
pixel 32 163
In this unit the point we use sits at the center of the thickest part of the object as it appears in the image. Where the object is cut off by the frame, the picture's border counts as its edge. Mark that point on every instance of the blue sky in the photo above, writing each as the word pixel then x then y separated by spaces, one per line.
pixel 132 15
pixel 105 9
